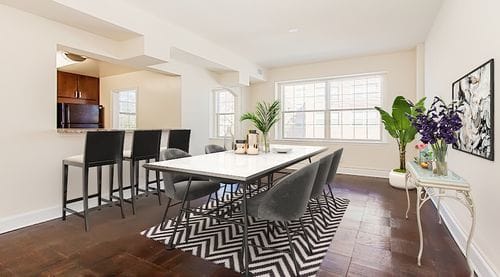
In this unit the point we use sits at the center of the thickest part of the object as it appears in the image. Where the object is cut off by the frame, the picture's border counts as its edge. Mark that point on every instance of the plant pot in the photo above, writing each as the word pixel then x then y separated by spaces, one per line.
pixel 398 180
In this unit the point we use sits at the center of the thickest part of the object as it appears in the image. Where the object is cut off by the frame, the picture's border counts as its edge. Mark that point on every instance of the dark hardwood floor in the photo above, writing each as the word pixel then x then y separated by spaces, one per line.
pixel 374 239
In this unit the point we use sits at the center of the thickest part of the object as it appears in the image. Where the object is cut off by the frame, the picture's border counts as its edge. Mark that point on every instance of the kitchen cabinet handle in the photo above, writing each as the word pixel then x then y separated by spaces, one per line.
pixel 76 94
pixel 79 94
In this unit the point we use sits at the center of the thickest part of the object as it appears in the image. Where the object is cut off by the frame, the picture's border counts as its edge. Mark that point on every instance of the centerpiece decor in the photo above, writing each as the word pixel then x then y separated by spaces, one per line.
pixel 264 117
pixel 399 126
pixel 438 127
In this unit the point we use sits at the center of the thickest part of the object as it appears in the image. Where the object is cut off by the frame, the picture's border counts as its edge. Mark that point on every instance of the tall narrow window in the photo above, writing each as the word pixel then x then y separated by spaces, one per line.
pixel 224 112
pixel 125 109
pixel 334 108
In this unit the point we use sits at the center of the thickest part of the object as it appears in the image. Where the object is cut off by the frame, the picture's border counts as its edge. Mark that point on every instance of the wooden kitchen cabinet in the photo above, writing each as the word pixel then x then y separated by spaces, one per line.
pixel 77 89
pixel 67 85
pixel 88 88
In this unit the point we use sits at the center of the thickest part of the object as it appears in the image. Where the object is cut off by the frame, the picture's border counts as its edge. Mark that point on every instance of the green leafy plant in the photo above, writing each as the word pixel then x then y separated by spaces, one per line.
pixel 264 117
pixel 399 126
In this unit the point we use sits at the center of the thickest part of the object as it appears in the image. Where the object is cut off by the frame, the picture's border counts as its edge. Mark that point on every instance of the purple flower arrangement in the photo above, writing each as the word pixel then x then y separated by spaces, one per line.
pixel 441 121
pixel 437 127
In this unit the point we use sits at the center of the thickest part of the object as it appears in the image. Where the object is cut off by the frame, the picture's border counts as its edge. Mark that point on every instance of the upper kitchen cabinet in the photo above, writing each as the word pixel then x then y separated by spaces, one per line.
pixel 77 89
pixel 88 88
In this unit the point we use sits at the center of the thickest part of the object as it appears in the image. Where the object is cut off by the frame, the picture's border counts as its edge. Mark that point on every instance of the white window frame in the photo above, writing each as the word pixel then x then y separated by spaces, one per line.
pixel 115 110
pixel 279 132
pixel 215 119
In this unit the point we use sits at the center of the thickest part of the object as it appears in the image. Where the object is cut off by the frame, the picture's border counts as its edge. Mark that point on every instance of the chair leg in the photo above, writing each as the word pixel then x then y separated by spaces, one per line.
pixel 305 236
pixel 64 190
pixel 147 180
pixel 217 204
pixel 209 198
pixel 132 185
pixel 111 177
pixel 320 209
pixel 313 221
pixel 120 186
pixel 328 205
pixel 188 228
pixel 331 194
pixel 292 250
pixel 136 167
pixel 163 221
pixel 85 188
pixel 99 187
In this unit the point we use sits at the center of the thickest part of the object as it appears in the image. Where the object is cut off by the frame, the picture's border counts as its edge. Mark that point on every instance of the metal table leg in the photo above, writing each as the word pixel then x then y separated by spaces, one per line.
pixel 246 257
pixel 170 245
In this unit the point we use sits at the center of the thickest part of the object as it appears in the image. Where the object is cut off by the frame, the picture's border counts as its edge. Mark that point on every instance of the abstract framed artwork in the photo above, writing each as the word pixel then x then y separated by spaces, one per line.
pixel 473 96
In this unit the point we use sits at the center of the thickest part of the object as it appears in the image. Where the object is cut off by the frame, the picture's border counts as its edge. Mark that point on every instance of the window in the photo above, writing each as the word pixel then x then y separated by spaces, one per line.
pixel 124 109
pixel 224 112
pixel 335 108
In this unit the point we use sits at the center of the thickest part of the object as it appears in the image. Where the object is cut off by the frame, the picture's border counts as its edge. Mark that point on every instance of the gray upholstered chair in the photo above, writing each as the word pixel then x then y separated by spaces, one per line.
pixel 318 188
pixel 285 201
pixel 337 155
pixel 176 185
pixel 214 148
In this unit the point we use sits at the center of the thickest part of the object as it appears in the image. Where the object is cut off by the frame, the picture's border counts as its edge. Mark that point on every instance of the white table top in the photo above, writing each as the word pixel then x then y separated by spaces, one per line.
pixel 237 167
pixel 427 178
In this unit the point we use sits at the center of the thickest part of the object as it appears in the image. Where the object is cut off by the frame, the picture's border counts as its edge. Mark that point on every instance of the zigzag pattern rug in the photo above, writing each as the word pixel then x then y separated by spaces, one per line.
pixel 221 242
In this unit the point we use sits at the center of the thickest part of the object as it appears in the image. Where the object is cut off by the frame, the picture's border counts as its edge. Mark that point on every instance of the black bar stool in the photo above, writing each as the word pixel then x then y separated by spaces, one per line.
pixel 145 146
pixel 179 139
pixel 101 148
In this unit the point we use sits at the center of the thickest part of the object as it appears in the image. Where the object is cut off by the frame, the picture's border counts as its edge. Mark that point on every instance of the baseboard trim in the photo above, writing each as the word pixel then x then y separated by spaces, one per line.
pixel 480 264
pixel 379 173
pixel 19 221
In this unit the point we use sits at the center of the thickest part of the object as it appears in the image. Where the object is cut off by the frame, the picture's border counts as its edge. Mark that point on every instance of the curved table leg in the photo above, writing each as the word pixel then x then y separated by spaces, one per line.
pixel 439 206
pixel 471 232
pixel 419 223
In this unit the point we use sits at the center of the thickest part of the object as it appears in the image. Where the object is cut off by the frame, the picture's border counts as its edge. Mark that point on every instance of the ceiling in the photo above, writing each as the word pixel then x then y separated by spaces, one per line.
pixel 326 29
pixel 91 67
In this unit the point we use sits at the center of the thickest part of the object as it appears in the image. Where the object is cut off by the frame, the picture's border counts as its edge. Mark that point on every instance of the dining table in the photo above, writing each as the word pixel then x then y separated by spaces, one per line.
pixel 242 169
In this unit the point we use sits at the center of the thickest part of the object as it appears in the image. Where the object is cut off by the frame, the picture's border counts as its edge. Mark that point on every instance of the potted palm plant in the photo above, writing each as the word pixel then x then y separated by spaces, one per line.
pixel 399 126
pixel 264 117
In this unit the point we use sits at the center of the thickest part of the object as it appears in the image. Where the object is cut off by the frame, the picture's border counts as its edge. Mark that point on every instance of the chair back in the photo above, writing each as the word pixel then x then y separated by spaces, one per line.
pixel 322 175
pixel 287 200
pixel 179 139
pixel 146 145
pixel 214 148
pixel 335 165
pixel 103 148
pixel 170 178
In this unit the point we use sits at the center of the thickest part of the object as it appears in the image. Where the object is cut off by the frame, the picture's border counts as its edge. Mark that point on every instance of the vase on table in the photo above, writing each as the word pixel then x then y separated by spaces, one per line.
pixel 265 143
pixel 439 149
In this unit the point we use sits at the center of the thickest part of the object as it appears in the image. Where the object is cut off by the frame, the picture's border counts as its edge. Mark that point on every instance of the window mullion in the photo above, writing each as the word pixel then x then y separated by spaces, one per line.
pixel 327 108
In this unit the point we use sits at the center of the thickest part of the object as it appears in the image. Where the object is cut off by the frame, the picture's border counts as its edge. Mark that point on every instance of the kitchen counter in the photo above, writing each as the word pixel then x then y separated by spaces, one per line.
pixel 83 130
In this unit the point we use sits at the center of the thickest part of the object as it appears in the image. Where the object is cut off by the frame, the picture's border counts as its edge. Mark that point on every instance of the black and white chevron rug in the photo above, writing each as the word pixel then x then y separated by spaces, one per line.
pixel 221 242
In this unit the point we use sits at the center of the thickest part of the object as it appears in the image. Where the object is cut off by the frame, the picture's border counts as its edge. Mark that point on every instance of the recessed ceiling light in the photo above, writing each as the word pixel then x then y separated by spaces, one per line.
pixel 293 30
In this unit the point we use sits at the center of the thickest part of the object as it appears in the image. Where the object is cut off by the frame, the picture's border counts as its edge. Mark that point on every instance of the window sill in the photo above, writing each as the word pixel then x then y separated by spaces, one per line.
pixel 327 141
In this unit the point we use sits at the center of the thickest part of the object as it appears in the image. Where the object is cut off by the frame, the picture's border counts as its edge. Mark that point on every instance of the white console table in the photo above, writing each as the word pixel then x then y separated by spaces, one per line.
pixel 428 185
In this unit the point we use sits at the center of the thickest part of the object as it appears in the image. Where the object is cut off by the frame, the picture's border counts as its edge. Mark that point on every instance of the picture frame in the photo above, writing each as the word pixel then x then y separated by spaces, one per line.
pixel 473 96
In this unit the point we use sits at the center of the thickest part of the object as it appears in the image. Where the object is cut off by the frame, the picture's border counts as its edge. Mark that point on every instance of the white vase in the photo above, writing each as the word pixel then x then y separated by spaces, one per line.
pixel 398 180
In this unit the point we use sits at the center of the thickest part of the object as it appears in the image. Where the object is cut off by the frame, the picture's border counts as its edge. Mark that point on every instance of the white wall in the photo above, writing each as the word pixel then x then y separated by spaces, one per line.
pixel 400 71
pixel 197 85
pixel 465 35
pixel 31 148
pixel 158 98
